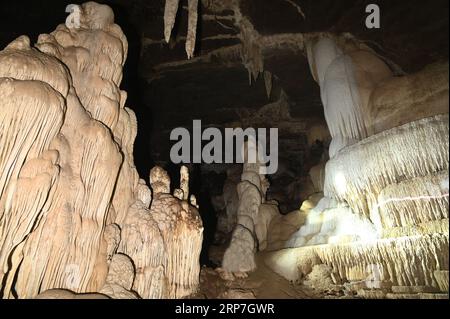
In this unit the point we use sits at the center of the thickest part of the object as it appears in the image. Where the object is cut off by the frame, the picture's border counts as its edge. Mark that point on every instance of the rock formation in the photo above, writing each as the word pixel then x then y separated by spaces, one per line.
pixel 74 214
pixel 254 215
pixel 347 74
pixel 227 219
pixel 182 232
pixel 170 15
pixel 381 229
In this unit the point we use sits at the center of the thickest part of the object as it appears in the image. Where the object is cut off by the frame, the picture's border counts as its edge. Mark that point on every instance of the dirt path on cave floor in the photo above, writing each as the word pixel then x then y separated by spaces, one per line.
pixel 260 284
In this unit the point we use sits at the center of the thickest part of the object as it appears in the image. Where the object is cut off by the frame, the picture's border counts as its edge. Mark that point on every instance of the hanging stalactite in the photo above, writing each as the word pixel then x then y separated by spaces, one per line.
pixel 170 14
pixel 192 28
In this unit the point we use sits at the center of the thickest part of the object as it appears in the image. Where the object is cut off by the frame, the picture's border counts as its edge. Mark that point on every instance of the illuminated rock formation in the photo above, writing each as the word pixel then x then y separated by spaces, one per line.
pixel 170 14
pixel 347 75
pixel 63 244
pixel 416 149
pixel 393 260
pixel 120 278
pixel 397 217
pixel 332 222
pixel 392 235
pixel 182 232
pixel 282 227
pixel 403 99
pixel 144 244
pixel 70 197
pixel 253 218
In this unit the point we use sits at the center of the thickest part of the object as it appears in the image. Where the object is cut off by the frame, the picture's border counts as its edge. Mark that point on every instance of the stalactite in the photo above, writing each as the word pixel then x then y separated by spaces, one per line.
pixel 192 27
pixel 170 14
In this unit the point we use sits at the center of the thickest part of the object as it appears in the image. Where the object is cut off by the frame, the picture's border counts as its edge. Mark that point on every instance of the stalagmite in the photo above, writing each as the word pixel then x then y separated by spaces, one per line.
pixel 184 181
pixel 120 278
pixel 48 255
pixel 178 193
pixel 253 218
pixel 267 212
pixel 193 201
pixel 144 194
pixel 182 232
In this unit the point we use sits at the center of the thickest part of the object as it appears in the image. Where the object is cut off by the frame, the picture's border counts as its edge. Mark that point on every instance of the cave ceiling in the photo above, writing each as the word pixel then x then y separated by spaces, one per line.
pixel 167 90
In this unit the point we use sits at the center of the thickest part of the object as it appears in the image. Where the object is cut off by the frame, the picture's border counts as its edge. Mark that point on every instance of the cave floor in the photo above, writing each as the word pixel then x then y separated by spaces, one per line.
pixel 263 283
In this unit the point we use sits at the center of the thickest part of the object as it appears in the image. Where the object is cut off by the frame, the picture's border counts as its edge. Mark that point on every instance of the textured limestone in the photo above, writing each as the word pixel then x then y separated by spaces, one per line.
pixel 406 261
pixel 67 294
pixel 441 277
pixel 120 278
pixel 430 227
pixel 319 278
pixel 371 294
pixel 181 229
pixel 400 100
pixel 416 149
pixel 317 175
pixel 332 222
pixel 71 201
pixel 414 201
pixel 347 75
pixel 254 215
